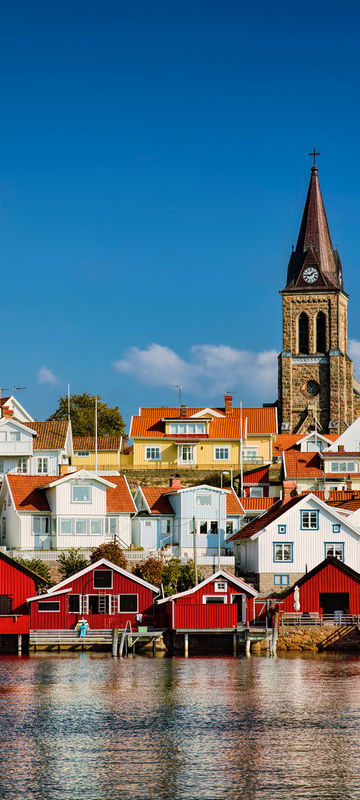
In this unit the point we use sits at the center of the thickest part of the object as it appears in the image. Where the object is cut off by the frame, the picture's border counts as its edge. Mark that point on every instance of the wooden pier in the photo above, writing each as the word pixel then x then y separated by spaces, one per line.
pixel 101 640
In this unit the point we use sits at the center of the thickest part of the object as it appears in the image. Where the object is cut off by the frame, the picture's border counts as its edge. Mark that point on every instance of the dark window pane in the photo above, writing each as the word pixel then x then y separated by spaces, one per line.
pixel 321 333
pixel 128 602
pixel 74 603
pixel 102 578
pixel 49 605
pixel 5 604
pixel 303 334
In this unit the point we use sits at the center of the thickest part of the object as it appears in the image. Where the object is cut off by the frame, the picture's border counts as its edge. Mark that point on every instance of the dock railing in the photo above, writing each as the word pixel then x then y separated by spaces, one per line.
pixel 314 618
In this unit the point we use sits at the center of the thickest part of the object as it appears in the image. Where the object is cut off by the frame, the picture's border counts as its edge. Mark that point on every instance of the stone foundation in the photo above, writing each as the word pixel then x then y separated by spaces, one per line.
pixel 307 638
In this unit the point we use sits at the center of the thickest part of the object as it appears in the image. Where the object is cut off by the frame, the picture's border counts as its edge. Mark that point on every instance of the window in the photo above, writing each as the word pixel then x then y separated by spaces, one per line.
pixel 21 465
pixel 74 604
pixel 335 549
pixel 186 454
pixel 103 578
pixel 342 466
pixel 256 491
pixel 81 493
pixel 203 527
pixel 309 519
pixel 80 526
pixel 1 466
pixel 152 454
pixel 66 526
pixel 43 466
pixel 2 436
pixel 214 526
pixel 213 599
pixel 281 528
pixel 95 526
pixel 111 525
pixel 148 523
pixel 14 436
pixel 281 580
pixel 229 527
pixel 187 428
pixel 221 453
pixel 40 524
pixel 128 603
pixel 6 603
pixel 321 333
pixel 336 528
pixel 283 551
pixel 220 586
pixel 165 526
pixel 83 453
pixel 203 499
pixel 303 334
pixel 49 605
pixel 250 454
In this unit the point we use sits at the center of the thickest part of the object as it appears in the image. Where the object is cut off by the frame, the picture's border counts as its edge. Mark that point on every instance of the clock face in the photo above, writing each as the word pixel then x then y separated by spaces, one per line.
pixel 310 274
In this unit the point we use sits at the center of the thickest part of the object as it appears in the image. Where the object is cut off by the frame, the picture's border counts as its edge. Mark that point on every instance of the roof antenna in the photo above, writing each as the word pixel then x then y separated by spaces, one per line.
pixel 18 388
pixel 179 387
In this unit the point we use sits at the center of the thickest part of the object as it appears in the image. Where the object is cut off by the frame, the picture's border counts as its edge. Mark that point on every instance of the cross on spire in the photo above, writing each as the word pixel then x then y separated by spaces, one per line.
pixel 314 154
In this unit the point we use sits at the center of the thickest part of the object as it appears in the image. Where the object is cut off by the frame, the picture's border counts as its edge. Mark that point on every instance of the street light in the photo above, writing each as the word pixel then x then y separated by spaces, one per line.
pixel 223 472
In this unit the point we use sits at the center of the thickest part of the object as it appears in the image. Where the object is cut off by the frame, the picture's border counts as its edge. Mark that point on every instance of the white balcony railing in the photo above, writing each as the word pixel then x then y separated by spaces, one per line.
pixel 16 449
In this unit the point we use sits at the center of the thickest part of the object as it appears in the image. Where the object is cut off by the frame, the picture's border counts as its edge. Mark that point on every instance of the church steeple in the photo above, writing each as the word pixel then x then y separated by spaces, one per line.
pixel 314 262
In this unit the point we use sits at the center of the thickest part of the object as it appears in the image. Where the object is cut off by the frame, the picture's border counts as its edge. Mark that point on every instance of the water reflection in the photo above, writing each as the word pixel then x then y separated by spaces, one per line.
pixel 174 729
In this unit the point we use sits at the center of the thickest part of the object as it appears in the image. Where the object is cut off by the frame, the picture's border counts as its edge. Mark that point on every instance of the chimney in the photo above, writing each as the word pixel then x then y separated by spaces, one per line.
pixel 341 448
pixel 228 405
pixel 7 412
pixel 348 484
pixel 175 482
pixel 289 490
pixel 183 409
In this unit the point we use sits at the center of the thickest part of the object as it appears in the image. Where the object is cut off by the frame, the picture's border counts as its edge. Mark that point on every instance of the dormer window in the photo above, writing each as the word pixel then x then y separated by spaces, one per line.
pixel 220 586
pixel 81 493
pixel 187 428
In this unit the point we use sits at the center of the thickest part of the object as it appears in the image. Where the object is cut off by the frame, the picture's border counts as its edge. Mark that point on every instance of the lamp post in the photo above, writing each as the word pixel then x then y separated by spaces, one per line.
pixel 223 472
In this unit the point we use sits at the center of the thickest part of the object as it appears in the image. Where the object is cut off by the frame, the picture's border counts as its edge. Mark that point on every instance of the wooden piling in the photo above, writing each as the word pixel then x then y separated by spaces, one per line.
pixel 154 647
pixel 234 643
pixel 115 642
pixel 186 645
pixel 247 643
pixel 19 644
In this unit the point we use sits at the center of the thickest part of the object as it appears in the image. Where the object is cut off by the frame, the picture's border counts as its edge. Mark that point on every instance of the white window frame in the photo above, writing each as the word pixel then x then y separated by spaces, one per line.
pixel 220 586
pixel 192 454
pixel 49 610
pixel 149 448
pixel 128 594
pixel 20 464
pixel 14 436
pixel 82 520
pixel 211 596
pixel 198 495
pixel 96 533
pixel 103 570
pixel 80 486
pixel 221 449
pixel 83 453
pixel 41 518
pixel 66 519
pixel 256 491
pixel 42 462
pixel 108 524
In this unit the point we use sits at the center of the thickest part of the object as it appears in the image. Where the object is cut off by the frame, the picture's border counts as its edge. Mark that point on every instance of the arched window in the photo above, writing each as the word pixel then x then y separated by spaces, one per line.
pixel 304 334
pixel 321 332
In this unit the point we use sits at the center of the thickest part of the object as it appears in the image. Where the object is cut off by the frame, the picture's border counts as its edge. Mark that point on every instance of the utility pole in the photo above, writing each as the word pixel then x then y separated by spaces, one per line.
pixel 195 550
pixel 96 434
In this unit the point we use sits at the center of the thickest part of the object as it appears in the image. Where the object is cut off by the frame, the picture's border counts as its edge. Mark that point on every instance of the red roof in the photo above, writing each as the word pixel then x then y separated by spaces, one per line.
pixel 263 520
pixel 29 496
pixel 51 434
pixel 257 477
pixel 302 465
pixel 157 500
pixel 103 442
pixel 257 503
pixel 287 441
pixel 259 420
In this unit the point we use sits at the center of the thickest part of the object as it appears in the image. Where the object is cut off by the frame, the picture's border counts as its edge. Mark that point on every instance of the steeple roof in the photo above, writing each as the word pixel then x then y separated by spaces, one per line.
pixel 314 247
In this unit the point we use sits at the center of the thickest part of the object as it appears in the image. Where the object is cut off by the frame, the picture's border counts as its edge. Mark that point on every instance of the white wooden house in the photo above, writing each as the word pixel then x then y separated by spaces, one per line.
pixel 293 537
pixel 79 509
pixel 34 448
pixel 165 518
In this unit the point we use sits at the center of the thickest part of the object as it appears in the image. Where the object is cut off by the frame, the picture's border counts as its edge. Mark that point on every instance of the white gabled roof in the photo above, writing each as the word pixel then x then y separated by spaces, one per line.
pixel 221 573
pixel 312 435
pixel 204 411
pixel 110 565
pixel 45 596
pixel 81 474
pixel 5 420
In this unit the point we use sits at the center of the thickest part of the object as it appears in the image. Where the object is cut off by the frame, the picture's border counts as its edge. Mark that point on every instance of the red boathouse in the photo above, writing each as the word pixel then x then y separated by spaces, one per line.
pixel 218 605
pixel 16 583
pixel 104 594
pixel 331 586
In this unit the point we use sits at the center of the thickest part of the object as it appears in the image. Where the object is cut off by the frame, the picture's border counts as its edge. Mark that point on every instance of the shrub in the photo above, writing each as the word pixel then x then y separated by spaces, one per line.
pixel 36 565
pixel 71 561
pixel 151 571
pixel 111 551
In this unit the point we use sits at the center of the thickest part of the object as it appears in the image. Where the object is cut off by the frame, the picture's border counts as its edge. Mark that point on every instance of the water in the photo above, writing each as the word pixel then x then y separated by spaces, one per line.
pixel 92 728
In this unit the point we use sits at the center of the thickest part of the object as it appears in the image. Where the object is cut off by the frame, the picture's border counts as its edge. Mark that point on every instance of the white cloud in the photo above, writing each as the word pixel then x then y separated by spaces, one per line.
pixel 45 375
pixel 210 369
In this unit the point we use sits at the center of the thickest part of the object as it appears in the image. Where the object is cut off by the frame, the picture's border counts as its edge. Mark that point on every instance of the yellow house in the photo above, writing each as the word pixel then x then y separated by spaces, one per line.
pixel 203 438
pixel 108 453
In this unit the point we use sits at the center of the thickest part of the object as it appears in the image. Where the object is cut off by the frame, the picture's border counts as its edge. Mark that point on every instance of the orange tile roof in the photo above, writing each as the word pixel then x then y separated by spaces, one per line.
pixel 103 443
pixel 156 499
pixel 29 496
pixel 302 465
pixel 26 493
pixel 257 524
pixel 334 495
pixel 286 441
pixel 259 420
pixel 257 503
pixel 233 504
pixel 51 434
pixel 257 477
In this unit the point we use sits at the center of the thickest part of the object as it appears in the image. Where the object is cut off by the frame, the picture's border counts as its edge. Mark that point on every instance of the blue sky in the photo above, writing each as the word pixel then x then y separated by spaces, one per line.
pixel 153 174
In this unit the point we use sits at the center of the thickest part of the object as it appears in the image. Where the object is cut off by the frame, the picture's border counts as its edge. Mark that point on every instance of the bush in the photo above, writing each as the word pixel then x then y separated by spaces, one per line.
pixel 187 576
pixel 36 565
pixel 151 571
pixel 171 574
pixel 111 551
pixel 71 561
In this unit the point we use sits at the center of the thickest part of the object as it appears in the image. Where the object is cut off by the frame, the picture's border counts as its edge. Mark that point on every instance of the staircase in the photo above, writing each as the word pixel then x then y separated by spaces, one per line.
pixel 338 636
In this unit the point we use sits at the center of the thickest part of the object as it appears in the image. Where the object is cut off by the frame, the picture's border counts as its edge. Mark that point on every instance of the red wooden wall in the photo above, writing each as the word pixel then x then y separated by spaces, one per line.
pixel 190 611
pixel 329 579
pixel 63 620
pixel 16 584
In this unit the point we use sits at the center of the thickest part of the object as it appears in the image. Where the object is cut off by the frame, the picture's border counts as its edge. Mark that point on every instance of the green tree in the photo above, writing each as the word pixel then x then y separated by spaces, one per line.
pixel 71 561
pixel 187 576
pixel 111 551
pixel 171 574
pixel 151 571
pixel 38 566
pixel 82 412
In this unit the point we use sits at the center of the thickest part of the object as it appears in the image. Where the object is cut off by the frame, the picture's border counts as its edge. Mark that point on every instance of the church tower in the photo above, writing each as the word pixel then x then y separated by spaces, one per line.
pixel 315 372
